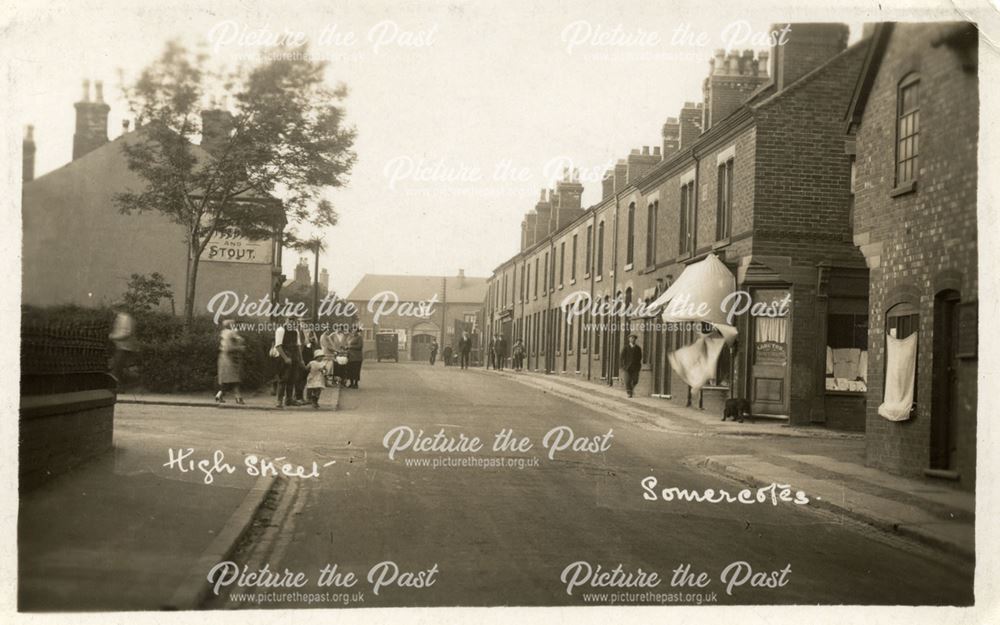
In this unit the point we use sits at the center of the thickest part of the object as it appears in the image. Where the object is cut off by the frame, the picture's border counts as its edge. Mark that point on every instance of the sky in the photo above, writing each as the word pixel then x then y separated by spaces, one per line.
pixel 464 110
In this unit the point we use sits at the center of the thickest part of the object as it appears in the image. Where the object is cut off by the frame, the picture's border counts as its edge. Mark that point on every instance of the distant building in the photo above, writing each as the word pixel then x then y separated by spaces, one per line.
pixel 914 127
pixel 78 248
pixel 459 300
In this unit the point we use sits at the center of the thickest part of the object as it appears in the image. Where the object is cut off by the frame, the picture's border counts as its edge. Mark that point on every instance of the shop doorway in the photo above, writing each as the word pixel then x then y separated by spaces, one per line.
pixel 770 357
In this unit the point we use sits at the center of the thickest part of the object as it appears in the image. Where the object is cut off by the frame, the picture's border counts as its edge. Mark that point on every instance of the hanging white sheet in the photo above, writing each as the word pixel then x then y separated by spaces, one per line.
pixel 900 373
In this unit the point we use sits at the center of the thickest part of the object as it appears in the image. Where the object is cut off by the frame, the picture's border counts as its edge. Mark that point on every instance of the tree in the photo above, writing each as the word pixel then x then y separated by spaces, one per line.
pixel 145 292
pixel 285 143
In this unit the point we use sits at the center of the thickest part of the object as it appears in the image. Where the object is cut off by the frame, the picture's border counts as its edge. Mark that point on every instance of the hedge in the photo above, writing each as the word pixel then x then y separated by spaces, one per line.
pixel 170 360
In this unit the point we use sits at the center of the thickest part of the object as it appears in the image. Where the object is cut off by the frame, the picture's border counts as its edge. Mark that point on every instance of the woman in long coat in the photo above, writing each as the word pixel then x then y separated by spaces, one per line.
pixel 355 355
pixel 231 346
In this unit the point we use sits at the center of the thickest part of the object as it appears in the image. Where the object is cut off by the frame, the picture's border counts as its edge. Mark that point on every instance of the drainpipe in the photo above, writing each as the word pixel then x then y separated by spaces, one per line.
pixel 550 322
pixel 590 272
pixel 613 355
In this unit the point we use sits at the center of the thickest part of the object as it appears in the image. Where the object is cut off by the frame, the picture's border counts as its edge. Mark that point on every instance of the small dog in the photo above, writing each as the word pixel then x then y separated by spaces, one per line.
pixel 737 408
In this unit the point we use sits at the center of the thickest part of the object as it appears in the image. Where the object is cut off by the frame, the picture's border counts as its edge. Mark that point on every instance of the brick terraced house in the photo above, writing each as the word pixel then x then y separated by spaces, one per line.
pixel 756 174
pixel 914 124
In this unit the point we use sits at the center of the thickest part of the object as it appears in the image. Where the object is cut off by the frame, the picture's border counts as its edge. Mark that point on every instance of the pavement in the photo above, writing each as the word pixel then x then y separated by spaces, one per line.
pixel 497 527
pixel 664 411
pixel 260 400
pixel 922 509
pixel 123 532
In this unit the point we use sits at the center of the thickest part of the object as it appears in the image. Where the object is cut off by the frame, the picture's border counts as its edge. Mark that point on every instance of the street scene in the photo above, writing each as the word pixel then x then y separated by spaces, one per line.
pixel 401 307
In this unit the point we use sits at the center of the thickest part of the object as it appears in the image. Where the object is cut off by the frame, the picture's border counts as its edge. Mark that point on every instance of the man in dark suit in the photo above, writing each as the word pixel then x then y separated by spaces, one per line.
pixel 631 363
pixel 464 347
pixel 500 350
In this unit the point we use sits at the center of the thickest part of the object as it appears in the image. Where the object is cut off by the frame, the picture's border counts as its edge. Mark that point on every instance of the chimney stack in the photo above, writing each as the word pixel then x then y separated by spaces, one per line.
pixel 608 184
pixel 805 47
pixel 461 278
pixel 731 80
pixel 528 227
pixel 690 122
pixel 216 127
pixel 28 155
pixel 671 137
pixel 640 163
pixel 91 121
pixel 566 200
pixel 543 212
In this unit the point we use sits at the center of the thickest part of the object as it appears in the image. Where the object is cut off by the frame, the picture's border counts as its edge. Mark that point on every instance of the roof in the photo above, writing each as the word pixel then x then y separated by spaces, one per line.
pixel 952 33
pixel 108 163
pixel 453 289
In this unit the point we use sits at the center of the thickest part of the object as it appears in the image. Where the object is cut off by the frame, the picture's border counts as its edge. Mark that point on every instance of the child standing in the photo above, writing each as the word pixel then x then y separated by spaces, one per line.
pixel 316 377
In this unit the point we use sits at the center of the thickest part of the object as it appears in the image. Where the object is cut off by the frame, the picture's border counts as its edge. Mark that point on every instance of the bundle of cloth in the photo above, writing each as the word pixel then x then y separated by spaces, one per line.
pixel 706 282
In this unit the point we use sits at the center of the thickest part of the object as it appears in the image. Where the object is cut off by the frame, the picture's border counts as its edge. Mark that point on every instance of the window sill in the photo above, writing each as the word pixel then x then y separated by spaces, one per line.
pixel 682 257
pixel 598 278
pixel 649 268
pixel 847 393
pixel 627 267
pixel 586 276
pixel 721 243
pixel 715 388
pixel 903 189
pixel 572 281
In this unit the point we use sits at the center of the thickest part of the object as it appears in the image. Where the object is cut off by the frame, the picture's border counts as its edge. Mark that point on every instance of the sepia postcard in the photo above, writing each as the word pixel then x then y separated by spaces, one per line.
pixel 453 311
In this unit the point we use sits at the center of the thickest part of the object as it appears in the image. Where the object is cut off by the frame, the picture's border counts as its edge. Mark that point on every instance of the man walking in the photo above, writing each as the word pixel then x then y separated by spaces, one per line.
pixel 434 351
pixel 500 349
pixel 631 363
pixel 464 347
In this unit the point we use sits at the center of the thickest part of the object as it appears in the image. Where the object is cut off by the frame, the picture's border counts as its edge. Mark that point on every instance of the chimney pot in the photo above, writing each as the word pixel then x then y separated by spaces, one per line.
pixel 656 150
pixel 645 150
pixel 634 151
pixel 86 91
pixel 28 155
pixel 99 91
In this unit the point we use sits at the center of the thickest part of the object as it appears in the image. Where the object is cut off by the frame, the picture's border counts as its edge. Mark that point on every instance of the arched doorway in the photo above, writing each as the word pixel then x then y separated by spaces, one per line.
pixel 421 338
pixel 944 393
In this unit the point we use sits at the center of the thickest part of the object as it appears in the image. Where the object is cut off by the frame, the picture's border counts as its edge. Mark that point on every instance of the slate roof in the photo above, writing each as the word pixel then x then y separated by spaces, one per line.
pixel 453 289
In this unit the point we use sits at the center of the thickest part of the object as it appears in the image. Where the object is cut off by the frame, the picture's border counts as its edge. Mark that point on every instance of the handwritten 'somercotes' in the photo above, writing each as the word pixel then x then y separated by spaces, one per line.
pixel 773 493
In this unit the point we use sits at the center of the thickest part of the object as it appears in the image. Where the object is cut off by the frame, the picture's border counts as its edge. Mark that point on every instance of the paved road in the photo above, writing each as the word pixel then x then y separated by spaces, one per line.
pixel 503 536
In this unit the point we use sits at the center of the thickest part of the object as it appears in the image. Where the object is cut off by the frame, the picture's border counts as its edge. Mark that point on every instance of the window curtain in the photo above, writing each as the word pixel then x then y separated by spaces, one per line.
pixel 770 329
pixel 900 371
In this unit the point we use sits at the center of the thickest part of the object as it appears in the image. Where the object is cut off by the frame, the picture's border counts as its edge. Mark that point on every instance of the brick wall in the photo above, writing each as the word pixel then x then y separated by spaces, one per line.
pixel 803 173
pixel 920 242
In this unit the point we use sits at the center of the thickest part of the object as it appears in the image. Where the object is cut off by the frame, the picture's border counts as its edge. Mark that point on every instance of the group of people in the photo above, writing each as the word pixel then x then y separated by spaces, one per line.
pixel 464 351
pixel 498 353
pixel 631 358
pixel 335 359
pixel 305 363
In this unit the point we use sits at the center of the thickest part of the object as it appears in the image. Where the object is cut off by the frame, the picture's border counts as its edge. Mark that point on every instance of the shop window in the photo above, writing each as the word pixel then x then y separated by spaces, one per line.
pixel 847 352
